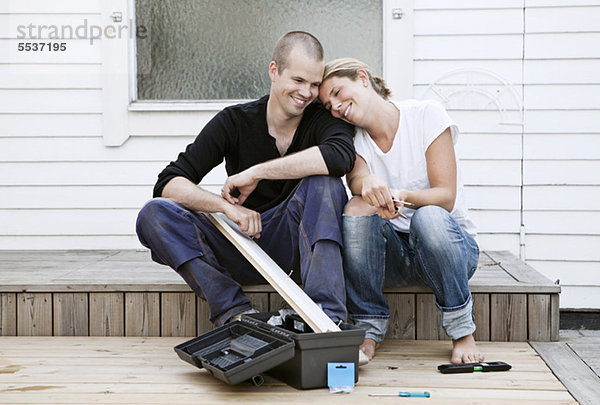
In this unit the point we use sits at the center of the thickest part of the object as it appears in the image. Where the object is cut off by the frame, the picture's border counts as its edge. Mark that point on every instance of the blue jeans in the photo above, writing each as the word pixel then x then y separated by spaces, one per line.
pixel 435 253
pixel 303 233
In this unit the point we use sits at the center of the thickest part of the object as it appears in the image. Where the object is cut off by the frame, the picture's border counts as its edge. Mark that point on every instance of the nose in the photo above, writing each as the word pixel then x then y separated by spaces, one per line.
pixel 305 91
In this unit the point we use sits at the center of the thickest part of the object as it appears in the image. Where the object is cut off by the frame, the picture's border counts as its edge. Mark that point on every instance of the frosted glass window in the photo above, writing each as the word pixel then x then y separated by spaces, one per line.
pixel 219 50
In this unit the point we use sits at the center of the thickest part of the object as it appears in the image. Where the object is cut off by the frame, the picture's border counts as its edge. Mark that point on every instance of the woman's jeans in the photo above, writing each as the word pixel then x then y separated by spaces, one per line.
pixel 435 253
pixel 303 233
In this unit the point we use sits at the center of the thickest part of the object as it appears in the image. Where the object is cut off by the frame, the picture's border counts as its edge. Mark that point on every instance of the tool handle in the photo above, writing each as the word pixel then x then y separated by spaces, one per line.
pixel 471 367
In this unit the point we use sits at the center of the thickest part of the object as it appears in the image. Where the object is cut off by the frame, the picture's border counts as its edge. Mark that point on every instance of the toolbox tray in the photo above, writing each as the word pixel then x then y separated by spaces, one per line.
pixel 308 367
pixel 237 351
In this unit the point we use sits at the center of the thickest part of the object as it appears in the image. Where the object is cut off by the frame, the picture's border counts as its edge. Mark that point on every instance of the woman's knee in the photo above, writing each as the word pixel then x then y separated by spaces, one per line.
pixel 357 207
pixel 432 225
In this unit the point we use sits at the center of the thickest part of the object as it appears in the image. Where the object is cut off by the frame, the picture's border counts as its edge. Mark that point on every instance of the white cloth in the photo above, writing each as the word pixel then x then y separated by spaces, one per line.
pixel 404 166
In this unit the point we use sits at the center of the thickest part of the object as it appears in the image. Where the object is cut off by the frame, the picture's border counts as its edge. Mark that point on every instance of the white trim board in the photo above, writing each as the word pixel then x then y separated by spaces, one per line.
pixel 281 282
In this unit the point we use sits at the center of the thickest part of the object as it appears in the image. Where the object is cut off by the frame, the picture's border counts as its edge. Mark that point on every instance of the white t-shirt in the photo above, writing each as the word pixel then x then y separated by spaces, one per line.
pixel 404 166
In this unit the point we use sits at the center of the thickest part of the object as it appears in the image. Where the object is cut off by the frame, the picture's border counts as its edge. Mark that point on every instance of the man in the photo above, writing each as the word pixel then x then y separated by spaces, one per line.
pixel 284 157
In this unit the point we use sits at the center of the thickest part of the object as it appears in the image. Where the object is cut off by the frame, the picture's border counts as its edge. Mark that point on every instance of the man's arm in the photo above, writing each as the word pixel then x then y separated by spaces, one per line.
pixel 186 193
pixel 308 162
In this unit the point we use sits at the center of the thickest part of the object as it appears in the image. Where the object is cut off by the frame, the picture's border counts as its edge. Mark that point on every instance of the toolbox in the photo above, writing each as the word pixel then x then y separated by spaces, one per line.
pixel 290 352
pixel 237 351
pixel 308 368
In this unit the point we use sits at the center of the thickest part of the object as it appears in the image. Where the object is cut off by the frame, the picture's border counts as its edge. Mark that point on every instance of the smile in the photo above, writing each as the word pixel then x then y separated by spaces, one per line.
pixel 347 110
pixel 300 101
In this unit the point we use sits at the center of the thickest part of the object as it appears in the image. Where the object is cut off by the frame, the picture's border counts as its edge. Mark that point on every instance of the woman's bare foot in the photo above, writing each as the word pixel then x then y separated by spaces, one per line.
pixel 464 350
pixel 368 347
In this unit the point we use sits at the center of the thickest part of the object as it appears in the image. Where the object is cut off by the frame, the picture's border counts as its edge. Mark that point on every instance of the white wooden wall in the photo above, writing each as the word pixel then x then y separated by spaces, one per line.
pixel 531 159
pixel 544 174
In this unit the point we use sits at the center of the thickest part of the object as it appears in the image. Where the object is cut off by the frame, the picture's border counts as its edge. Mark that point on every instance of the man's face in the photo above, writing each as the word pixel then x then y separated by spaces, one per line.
pixel 298 85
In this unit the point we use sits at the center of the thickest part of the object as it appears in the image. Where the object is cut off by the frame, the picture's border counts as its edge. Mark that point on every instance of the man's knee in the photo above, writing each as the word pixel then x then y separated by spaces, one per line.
pixel 357 207
pixel 154 210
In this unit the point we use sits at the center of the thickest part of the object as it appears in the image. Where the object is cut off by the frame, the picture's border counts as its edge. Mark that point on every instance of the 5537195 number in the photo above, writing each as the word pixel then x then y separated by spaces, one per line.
pixel 41 46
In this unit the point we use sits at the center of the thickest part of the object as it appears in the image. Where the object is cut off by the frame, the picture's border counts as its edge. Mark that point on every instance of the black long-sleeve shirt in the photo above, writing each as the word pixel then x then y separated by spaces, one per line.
pixel 240 135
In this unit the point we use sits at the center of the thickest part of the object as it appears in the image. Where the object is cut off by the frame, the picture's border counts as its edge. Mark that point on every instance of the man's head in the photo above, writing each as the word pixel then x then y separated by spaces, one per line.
pixel 296 71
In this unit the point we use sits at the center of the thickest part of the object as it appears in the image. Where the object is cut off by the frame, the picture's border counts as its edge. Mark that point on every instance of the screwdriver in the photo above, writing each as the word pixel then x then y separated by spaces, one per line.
pixel 404 394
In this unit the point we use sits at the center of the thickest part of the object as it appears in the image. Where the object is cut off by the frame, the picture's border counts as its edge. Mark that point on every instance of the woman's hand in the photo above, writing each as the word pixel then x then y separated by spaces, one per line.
pixel 376 192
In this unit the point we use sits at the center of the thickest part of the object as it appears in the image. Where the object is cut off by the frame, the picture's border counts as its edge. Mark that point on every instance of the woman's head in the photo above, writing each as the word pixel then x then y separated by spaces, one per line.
pixel 349 90
pixel 349 67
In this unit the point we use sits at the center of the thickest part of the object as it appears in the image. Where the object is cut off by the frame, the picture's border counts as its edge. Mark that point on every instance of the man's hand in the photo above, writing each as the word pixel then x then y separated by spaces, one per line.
pixel 376 192
pixel 244 182
pixel 246 219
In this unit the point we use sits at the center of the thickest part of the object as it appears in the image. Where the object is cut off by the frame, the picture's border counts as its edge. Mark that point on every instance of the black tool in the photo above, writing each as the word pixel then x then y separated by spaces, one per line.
pixel 472 367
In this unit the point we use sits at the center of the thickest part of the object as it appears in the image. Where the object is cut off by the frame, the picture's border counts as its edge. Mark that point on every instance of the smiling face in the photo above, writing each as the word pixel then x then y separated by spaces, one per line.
pixel 346 98
pixel 298 85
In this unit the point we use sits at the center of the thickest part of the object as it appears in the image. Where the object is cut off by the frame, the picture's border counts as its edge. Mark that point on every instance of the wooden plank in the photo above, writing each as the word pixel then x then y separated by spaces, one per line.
pixel 562 222
pixel 563 247
pixel 581 198
pixel 203 311
pixel 259 301
pixel 588 352
pixel 579 379
pixel 71 314
pixel 428 319
pixel 564 46
pixel 522 272
pixel 554 317
pixel 457 22
pixel 142 314
pixel 402 316
pixel 84 101
pixel 276 302
pixel 146 371
pixel 508 317
pixel 469 47
pixel 285 286
pixel 539 320
pixel 34 314
pixel 549 172
pixel 107 314
pixel 8 314
pixel 178 314
pixel 481 312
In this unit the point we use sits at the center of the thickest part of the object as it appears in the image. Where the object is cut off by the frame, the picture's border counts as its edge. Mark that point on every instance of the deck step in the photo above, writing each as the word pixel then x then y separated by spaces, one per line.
pixel 123 293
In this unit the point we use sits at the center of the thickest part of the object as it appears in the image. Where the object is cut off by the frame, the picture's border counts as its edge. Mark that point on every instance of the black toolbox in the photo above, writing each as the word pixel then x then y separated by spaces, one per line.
pixel 295 354
pixel 237 351
pixel 308 368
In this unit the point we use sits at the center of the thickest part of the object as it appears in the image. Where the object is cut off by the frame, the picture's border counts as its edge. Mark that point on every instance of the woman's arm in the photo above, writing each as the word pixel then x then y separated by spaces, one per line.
pixel 441 170
pixel 371 187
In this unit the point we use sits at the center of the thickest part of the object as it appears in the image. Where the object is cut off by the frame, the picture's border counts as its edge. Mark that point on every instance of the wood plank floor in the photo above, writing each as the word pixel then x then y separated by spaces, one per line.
pixel 137 370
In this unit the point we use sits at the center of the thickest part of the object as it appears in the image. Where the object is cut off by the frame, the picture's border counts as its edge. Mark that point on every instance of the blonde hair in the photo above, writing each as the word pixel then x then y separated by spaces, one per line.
pixel 349 67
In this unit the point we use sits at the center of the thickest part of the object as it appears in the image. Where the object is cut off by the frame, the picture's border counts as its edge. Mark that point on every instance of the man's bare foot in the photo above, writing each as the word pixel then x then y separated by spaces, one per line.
pixel 464 350
pixel 368 347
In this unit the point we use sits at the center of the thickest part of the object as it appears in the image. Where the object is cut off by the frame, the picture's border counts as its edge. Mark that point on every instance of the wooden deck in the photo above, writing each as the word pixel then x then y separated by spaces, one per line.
pixel 123 293
pixel 137 370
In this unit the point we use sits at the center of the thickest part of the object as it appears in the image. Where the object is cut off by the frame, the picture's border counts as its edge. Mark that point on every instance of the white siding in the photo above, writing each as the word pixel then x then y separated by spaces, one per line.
pixel 544 174
pixel 561 191
pixel 530 143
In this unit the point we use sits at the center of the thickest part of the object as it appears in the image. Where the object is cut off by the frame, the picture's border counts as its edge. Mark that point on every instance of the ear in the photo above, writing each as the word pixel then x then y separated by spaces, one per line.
pixel 273 70
pixel 363 75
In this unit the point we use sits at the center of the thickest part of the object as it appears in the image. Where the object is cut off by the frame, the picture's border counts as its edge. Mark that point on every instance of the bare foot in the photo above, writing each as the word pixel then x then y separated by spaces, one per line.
pixel 368 347
pixel 464 350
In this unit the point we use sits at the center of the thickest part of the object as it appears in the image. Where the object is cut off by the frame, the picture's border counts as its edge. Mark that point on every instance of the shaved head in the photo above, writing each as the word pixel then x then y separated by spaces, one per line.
pixel 308 43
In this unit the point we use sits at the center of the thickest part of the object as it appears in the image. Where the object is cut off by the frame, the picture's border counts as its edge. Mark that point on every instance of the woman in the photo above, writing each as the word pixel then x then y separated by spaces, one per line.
pixel 408 222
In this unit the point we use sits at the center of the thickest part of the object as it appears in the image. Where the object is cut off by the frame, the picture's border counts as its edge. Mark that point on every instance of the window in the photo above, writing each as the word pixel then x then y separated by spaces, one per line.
pixel 220 49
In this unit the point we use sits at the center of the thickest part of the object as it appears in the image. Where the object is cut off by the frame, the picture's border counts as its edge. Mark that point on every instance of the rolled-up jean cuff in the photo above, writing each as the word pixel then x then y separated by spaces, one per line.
pixel 458 323
pixel 375 328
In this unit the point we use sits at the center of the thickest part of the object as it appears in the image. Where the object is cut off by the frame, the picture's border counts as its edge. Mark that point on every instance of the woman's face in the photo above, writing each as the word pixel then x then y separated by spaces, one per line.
pixel 345 98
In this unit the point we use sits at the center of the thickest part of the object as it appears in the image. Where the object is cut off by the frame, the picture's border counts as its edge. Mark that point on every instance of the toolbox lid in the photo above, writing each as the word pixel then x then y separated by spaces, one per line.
pixel 237 351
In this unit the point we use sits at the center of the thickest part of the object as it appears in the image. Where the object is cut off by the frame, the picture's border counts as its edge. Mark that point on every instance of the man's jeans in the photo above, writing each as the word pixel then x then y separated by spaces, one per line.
pixel 436 253
pixel 303 233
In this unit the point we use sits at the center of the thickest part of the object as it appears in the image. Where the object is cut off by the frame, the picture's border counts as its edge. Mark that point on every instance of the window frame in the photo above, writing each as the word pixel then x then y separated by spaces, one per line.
pixel 123 112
